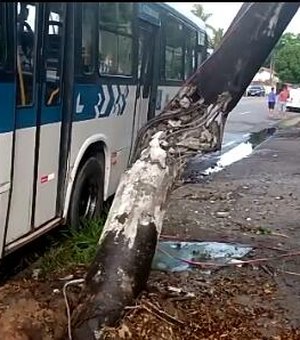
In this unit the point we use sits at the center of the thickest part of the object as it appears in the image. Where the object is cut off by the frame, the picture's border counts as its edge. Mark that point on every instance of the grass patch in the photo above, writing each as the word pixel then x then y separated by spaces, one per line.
pixel 75 247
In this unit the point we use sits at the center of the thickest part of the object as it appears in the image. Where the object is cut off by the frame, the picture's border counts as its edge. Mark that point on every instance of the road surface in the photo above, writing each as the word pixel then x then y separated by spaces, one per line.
pixel 250 115
pixel 242 134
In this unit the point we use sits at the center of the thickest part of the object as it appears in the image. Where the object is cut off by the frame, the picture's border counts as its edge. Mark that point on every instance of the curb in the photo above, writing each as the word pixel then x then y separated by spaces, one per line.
pixel 289 122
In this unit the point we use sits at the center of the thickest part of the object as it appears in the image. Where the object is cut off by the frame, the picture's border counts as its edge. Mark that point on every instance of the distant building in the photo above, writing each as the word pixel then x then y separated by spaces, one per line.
pixel 265 76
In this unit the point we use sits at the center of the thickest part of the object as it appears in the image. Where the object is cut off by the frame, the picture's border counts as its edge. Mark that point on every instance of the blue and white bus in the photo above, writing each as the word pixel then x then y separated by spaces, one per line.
pixel 77 81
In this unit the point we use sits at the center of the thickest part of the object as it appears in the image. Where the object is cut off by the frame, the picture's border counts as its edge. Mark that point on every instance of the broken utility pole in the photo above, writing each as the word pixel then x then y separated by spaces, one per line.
pixel 191 123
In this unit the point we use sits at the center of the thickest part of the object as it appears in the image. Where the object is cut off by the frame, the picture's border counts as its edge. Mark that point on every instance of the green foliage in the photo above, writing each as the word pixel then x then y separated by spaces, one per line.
pixel 217 34
pixel 287 58
pixel 217 37
pixel 77 247
pixel 198 10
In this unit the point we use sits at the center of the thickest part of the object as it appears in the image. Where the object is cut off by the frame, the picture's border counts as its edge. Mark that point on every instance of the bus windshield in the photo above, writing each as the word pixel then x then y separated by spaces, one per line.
pixel 2 35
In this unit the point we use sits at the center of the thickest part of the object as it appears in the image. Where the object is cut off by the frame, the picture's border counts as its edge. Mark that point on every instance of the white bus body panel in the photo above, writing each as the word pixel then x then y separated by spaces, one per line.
pixel 47 178
pixel 116 133
pixel 86 130
pixel 21 201
pixel 5 173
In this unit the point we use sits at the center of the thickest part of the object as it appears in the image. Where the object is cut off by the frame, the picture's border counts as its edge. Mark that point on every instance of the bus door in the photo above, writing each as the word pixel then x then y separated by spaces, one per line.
pixel 40 44
pixel 146 88
pixel 7 105
pixel 50 115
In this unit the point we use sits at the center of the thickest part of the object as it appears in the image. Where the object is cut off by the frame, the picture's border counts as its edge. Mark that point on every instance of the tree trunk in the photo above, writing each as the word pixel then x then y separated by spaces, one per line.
pixel 191 123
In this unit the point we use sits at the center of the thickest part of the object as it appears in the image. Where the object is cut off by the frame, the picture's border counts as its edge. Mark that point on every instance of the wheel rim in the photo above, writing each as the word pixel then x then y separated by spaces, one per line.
pixel 88 199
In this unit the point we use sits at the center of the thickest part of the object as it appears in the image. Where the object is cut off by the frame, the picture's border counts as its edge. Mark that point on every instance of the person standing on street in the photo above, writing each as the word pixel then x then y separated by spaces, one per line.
pixel 271 102
pixel 282 99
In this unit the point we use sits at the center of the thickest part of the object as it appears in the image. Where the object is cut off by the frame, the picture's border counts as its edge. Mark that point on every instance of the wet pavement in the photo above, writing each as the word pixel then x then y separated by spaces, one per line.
pixel 202 166
pixel 180 256
pixel 249 115
pixel 247 127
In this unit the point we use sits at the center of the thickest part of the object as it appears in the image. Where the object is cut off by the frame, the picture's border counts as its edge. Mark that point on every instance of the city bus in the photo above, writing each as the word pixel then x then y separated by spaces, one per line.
pixel 77 82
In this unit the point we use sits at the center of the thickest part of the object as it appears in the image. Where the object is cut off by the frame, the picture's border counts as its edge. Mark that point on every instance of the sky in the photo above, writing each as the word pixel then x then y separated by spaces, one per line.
pixel 224 12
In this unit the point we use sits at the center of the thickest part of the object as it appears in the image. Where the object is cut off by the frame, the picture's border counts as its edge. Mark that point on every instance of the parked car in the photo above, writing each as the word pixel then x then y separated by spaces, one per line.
pixel 293 102
pixel 256 90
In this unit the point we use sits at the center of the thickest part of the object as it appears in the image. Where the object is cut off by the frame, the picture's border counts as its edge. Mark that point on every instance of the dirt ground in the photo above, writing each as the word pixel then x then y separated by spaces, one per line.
pixel 258 199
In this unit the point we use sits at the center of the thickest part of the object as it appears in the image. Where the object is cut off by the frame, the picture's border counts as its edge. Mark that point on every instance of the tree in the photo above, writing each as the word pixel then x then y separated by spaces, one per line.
pixel 198 10
pixel 287 39
pixel 192 122
pixel 285 58
pixel 287 62
pixel 217 34
pixel 217 37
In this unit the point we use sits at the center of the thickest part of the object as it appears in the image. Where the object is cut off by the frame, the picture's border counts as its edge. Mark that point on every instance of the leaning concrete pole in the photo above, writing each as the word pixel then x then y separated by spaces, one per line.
pixel 192 122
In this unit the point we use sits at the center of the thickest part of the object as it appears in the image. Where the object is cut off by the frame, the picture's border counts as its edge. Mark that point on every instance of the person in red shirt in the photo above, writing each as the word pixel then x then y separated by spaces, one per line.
pixel 282 99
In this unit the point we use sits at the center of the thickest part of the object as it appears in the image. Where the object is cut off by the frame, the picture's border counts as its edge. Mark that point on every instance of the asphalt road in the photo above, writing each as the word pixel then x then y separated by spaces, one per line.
pixel 250 115
pixel 244 130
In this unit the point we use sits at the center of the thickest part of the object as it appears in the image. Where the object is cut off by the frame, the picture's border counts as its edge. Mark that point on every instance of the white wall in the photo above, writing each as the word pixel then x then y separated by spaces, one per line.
pixel 264 76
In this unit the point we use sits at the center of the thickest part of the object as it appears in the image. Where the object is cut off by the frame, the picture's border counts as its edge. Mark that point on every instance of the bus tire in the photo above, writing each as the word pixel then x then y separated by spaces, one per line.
pixel 88 192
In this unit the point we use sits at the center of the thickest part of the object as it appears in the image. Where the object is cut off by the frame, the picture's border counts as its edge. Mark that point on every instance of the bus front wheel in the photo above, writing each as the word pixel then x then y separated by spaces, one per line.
pixel 87 197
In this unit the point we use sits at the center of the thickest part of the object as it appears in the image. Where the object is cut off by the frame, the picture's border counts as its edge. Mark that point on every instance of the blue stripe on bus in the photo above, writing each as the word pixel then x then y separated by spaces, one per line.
pixel 88 99
pixel 92 98
pixel 102 99
pixel 111 100
pixel 25 117
pixel 51 114
pixel 7 101
pixel 93 101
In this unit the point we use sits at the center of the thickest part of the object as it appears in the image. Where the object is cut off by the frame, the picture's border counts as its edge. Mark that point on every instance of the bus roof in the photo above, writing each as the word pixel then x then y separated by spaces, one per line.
pixel 187 16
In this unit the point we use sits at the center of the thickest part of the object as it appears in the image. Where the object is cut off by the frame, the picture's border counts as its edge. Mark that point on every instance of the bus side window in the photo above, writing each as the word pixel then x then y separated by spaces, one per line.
pixel 174 50
pixel 189 60
pixel 201 49
pixel 200 58
pixel 3 39
pixel 88 40
pixel 53 53
pixel 26 40
pixel 115 38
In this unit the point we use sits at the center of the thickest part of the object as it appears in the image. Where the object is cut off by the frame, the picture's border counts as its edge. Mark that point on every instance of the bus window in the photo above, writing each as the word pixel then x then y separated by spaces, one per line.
pixel 174 50
pixel 2 35
pixel 201 48
pixel 201 38
pixel 53 52
pixel 200 58
pixel 87 38
pixel 190 54
pixel 26 40
pixel 115 38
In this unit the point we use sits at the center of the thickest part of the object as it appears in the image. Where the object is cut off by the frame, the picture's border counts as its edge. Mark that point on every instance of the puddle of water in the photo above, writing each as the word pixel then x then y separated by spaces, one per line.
pixel 169 254
pixel 232 139
pixel 257 138
pixel 203 166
